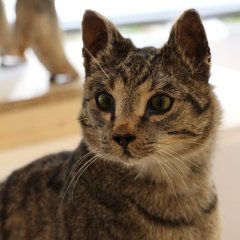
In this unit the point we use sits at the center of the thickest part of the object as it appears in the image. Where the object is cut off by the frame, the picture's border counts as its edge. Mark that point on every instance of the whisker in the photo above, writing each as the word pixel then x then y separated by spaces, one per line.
pixel 172 186
pixel 72 170
pixel 184 157
pixel 81 171
pixel 201 144
pixel 179 160
pixel 181 170
pixel 77 164
pixel 175 169
pixel 96 61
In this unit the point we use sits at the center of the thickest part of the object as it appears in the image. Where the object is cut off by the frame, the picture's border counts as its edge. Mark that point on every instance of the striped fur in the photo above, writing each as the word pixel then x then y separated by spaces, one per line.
pixel 159 186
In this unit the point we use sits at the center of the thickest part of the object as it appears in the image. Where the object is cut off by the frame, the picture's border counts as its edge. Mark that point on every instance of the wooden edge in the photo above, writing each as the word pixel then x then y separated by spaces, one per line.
pixel 56 93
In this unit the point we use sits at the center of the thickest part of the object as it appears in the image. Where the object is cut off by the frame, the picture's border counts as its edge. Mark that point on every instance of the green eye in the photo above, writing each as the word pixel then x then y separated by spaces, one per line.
pixel 160 103
pixel 105 101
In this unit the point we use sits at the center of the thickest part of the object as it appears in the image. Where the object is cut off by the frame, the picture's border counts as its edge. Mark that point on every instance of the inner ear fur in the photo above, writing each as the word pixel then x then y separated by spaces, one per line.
pixel 102 42
pixel 98 34
pixel 94 32
pixel 189 37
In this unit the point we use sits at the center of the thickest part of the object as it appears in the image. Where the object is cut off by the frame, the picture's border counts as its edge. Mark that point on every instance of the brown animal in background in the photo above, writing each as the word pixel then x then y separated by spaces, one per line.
pixel 36 26
pixel 143 169
pixel 7 43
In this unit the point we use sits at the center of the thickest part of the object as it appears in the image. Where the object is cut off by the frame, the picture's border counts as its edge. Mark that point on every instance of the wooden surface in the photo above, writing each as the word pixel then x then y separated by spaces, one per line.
pixel 50 116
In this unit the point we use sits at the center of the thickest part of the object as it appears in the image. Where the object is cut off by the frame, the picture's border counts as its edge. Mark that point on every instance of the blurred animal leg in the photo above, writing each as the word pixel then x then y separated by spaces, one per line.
pixel 3 29
pixel 37 26
pixel 8 45
pixel 47 45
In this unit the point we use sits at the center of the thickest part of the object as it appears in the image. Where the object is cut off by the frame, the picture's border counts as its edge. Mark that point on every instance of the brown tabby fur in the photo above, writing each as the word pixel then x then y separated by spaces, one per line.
pixel 37 27
pixel 162 187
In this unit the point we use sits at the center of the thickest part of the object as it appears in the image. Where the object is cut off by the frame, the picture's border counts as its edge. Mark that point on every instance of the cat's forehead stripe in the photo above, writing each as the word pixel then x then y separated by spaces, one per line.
pixel 136 67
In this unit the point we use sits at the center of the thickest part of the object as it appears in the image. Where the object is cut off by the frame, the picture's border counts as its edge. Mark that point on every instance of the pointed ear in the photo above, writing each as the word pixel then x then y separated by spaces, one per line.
pixel 98 35
pixel 189 37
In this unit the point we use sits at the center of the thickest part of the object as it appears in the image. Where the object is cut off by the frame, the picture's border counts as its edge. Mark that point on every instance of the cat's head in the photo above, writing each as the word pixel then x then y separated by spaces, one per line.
pixel 143 105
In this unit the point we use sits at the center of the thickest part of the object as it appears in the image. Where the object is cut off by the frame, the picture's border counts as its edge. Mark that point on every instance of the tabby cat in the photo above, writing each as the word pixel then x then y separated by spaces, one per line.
pixel 36 26
pixel 142 170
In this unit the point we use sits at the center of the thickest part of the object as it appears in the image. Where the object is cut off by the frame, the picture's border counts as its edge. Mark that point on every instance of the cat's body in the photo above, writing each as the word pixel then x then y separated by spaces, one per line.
pixel 142 171
pixel 108 202
pixel 36 26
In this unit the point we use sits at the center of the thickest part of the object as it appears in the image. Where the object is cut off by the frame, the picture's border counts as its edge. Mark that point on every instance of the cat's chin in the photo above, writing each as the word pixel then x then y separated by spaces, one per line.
pixel 123 158
pixel 145 167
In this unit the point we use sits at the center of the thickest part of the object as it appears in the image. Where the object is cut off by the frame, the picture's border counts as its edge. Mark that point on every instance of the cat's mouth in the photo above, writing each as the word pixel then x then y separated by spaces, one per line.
pixel 127 154
pixel 120 153
pixel 124 155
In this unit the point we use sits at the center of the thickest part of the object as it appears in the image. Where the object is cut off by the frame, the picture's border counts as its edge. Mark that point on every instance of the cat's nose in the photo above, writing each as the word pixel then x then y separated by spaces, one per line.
pixel 123 140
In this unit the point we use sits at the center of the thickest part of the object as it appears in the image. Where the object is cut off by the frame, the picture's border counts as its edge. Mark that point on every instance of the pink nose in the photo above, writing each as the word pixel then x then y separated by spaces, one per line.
pixel 123 140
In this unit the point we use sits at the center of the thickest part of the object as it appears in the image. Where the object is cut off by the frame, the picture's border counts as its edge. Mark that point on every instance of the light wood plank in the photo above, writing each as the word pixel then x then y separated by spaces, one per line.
pixel 51 116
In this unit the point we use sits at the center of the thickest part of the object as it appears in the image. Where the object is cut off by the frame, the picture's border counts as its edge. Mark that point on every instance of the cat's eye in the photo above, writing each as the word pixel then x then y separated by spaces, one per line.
pixel 160 103
pixel 105 101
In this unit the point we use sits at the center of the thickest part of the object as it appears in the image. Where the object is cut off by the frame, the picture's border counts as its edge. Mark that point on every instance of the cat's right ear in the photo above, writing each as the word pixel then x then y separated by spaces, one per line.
pixel 99 36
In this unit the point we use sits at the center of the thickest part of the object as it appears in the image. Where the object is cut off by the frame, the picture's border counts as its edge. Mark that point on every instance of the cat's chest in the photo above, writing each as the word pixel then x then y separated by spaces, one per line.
pixel 117 205
pixel 154 225
pixel 116 210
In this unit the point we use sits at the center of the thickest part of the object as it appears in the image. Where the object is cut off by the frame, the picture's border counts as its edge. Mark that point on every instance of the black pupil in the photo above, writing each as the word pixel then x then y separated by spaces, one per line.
pixel 161 103
pixel 105 101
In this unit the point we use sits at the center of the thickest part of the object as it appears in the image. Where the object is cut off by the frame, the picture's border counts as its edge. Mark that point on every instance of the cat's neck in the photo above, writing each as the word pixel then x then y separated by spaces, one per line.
pixel 149 187
pixel 176 171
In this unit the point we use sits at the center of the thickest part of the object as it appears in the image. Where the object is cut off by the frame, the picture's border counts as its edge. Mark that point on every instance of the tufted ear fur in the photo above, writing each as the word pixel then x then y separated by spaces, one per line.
pixel 189 37
pixel 101 39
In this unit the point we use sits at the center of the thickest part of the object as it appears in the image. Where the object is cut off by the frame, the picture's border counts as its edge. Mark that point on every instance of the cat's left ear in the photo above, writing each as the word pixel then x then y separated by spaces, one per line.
pixel 189 37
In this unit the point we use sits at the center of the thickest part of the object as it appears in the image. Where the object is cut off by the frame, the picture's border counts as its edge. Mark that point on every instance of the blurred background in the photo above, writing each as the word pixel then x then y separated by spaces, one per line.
pixel 37 117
